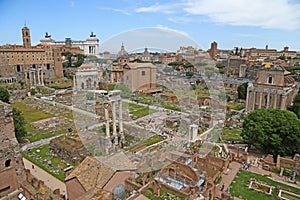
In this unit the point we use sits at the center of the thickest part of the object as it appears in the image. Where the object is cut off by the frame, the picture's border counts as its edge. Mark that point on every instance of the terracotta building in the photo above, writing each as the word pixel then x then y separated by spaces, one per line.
pixel 31 64
pixel 137 76
pixel 95 175
pixel 274 87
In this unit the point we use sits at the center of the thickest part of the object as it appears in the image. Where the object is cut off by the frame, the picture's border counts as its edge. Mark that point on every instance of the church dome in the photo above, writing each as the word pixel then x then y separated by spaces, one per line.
pixel 122 52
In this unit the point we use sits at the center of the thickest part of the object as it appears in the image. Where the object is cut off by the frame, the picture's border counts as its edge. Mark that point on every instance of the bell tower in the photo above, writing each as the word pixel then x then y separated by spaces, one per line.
pixel 26 37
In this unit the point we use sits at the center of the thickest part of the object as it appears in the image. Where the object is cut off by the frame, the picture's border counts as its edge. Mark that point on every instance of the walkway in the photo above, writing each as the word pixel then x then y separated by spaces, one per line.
pixel 49 180
pixel 228 177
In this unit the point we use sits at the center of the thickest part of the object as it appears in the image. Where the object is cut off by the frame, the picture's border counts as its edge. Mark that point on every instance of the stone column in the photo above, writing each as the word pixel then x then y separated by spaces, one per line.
pixel 253 97
pixel 275 101
pixel 38 76
pixel 42 77
pixel 106 119
pixel 74 83
pixel 247 100
pixel 30 78
pixel 260 99
pixel 34 78
pixel 120 117
pixel 268 100
pixel 283 102
pixel 114 121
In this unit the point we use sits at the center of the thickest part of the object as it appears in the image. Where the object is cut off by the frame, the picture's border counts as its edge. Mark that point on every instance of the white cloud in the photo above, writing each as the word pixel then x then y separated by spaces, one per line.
pixel 172 30
pixel 122 11
pixel 166 8
pixel 277 14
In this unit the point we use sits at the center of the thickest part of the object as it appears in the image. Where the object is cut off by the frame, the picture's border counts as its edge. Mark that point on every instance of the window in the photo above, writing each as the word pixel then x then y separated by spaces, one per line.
pixel 48 66
pixel 270 80
pixel 7 163
pixel 33 66
pixel 143 73
pixel 18 68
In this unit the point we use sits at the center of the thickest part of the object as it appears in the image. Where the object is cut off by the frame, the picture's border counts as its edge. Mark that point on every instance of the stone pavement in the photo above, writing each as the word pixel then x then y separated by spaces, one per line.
pixel 49 180
pixel 227 178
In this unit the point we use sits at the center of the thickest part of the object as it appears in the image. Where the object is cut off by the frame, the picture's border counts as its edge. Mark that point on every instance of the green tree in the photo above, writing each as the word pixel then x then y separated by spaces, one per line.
pixel 32 92
pixel 19 123
pixel 272 131
pixel 296 105
pixel 189 74
pixel 242 91
pixel 4 95
pixel 125 91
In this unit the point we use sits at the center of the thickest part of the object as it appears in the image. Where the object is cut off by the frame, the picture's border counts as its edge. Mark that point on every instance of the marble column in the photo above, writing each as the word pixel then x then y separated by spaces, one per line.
pixel 34 78
pixel 283 102
pixel 247 100
pixel 74 83
pixel 260 99
pixel 106 119
pixel 120 117
pixel 268 100
pixel 30 78
pixel 275 101
pixel 38 76
pixel 42 77
pixel 253 99
pixel 114 121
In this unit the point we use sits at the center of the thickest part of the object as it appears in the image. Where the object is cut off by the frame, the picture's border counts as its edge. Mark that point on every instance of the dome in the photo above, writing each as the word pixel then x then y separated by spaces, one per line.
pixel 122 52
pixel 119 191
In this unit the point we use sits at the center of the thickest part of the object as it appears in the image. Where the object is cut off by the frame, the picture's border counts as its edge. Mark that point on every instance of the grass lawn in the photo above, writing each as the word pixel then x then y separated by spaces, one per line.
pixel 231 134
pixel 43 154
pixel 148 142
pixel 236 106
pixel 35 134
pixel 31 114
pixel 138 110
pixel 239 187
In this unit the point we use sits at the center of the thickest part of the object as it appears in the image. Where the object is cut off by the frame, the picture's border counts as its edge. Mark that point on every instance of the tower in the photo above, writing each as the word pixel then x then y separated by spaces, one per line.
pixel 213 49
pixel 26 37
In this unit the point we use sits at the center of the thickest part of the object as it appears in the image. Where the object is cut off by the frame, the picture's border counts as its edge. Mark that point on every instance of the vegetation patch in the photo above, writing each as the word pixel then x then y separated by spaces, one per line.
pixel 42 157
pixel 239 187
pixel 31 114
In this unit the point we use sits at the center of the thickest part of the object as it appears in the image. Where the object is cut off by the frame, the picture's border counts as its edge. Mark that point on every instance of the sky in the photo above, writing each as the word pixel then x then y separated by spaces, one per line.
pixel 231 23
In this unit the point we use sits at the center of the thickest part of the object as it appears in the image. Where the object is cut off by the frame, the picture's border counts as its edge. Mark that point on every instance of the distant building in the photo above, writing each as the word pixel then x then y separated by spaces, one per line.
pixel 137 76
pixel 273 88
pixel 146 56
pixel 86 77
pixel 213 50
pixel 31 64
pixel 90 46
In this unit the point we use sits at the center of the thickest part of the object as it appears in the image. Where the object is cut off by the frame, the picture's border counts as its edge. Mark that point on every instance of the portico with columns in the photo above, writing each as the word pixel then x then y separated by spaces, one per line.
pixel 36 77
pixel 114 100
pixel 274 88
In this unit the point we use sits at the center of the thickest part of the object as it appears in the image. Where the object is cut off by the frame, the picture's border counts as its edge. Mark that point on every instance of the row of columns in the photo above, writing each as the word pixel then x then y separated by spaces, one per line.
pixel 36 77
pixel 8 80
pixel 252 96
pixel 114 119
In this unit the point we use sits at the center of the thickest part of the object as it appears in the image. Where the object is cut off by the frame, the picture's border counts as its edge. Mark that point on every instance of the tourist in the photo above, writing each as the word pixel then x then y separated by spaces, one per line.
pixel 222 187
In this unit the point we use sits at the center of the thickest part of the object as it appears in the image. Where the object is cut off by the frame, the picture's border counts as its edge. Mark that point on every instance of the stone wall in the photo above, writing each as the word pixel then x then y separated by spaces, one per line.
pixel 11 165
